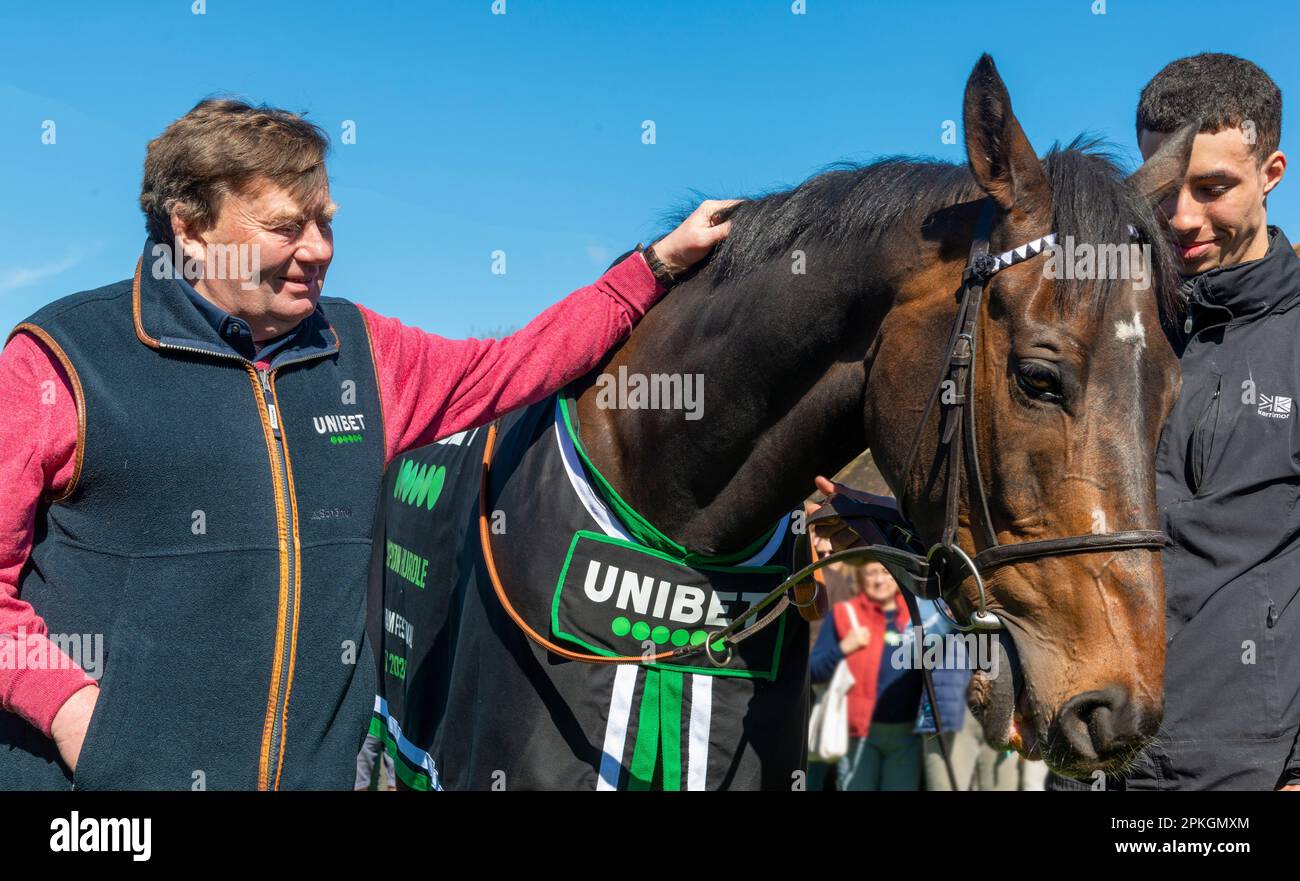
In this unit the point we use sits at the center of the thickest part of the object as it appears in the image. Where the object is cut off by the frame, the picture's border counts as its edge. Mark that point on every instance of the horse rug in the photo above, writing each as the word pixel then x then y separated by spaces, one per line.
pixel 467 701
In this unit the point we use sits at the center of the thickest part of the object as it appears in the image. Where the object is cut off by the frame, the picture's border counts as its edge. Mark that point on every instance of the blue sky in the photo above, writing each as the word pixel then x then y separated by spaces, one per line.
pixel 522 132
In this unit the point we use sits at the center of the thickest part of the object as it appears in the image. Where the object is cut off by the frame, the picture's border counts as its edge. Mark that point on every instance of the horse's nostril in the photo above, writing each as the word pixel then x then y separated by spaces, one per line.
pixel 1103 722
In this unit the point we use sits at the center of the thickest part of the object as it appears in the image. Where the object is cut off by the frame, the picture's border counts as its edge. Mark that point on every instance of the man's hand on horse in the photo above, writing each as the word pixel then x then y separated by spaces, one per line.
pixel 696 235
pixel 840 535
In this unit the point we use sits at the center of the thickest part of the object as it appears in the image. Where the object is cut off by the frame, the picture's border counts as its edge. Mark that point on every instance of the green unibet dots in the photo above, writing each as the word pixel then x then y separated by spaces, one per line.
pixel 640 630
pixel 718 646
pixel 620 626
pixel 681 637
pixel 659 635
pixel 698 637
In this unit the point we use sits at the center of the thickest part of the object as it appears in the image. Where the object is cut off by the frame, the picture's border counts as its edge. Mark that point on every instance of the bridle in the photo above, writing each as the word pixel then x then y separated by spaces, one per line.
pixel 958 445
pixel 938 573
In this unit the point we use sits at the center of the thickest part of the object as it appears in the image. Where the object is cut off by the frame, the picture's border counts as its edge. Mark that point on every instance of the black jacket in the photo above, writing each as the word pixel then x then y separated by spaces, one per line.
pixel 1228 483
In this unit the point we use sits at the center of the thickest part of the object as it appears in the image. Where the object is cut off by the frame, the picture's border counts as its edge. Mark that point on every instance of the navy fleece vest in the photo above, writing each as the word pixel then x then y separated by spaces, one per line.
pixel 227 579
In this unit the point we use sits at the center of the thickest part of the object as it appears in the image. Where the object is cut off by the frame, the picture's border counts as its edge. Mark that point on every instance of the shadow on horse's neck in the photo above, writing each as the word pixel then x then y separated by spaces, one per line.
pixel 782 362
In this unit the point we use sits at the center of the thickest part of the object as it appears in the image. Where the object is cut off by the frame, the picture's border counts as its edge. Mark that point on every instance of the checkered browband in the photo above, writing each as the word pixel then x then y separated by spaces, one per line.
pixel 1024 252
pixel 985 266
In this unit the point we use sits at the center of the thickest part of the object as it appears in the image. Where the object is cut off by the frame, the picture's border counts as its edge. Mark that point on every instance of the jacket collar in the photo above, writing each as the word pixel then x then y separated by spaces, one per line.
pixel 1251 289
pixel 166 318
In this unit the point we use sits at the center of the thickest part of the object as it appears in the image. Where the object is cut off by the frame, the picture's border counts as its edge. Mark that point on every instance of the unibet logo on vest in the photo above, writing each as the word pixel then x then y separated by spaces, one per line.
pixel 343 428
pixel 614 597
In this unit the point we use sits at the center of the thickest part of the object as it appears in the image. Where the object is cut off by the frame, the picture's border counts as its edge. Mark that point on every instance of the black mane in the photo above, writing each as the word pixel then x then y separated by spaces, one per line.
pixel 851 206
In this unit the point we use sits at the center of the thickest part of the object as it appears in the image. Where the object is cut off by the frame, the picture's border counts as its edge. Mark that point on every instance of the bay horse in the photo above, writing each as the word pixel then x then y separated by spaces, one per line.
pixel 819 327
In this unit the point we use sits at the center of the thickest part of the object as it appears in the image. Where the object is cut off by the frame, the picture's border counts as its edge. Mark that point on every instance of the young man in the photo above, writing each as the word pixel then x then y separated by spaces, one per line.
pixel 1228 463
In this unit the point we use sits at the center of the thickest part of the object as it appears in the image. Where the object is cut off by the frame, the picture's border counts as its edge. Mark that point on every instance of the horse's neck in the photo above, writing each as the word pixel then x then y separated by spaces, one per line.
pixel 781 404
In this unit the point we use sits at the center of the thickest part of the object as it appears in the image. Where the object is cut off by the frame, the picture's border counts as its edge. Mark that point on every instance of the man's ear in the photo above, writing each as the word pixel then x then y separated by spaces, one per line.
pixel 1274 169
pixel 187 235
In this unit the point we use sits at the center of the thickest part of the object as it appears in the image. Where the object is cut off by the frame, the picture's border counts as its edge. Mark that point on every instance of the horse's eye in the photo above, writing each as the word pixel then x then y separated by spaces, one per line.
pixel 1039 381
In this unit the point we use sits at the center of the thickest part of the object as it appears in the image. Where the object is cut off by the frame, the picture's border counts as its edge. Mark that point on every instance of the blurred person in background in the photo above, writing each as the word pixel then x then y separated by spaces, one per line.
pixel 884 752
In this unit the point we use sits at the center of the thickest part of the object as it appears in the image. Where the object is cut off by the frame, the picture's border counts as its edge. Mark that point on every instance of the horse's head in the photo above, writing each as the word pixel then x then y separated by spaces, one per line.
pixel 1073 381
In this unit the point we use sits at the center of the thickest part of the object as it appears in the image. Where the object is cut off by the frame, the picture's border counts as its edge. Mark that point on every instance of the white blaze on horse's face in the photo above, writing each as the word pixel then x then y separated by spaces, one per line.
pixel 1129 454
pixel 1133 333
pixel 1099 521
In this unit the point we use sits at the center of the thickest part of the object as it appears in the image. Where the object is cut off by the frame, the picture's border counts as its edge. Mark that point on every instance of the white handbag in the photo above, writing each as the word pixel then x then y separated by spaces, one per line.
pixel 828 726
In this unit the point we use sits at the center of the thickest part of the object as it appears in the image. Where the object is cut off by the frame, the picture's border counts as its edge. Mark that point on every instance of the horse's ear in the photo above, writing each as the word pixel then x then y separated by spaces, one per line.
pixel 1000 156
pixel 1167 166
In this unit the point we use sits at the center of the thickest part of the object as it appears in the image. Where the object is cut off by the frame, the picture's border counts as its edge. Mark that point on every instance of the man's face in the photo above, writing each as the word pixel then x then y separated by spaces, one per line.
pixel 290 245
pixel 1217 216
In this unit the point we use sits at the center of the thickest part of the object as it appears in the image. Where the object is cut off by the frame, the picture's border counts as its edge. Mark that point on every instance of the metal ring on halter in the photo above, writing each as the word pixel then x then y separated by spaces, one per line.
pixel 817 588
pixel 708 650
pixel 981 618
pixel 980 621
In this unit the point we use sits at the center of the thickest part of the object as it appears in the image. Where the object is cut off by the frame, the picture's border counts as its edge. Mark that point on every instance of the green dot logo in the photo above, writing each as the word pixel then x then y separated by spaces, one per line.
pixel 621 626
pixel 681 637
pixel 659 635
pixel 419 485
pixel 698 637
pixel 640 630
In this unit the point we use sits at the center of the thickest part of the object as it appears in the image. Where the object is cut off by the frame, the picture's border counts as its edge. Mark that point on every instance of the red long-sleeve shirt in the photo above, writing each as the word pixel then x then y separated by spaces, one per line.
pixel 430 387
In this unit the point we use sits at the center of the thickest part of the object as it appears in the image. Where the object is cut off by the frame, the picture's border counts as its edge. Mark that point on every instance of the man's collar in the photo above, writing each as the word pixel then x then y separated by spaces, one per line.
pixel 1254 287
pixel 167 315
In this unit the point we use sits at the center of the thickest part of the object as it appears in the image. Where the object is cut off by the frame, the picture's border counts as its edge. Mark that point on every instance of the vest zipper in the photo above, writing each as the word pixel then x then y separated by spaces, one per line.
pixel 287 531
pixel 287 632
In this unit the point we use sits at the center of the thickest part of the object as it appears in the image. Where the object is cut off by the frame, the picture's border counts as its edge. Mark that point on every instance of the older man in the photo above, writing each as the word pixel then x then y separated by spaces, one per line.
pixel 191 458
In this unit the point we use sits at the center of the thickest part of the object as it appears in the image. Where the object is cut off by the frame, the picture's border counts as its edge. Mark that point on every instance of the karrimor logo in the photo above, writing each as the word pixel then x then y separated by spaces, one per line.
pixel 1274 406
